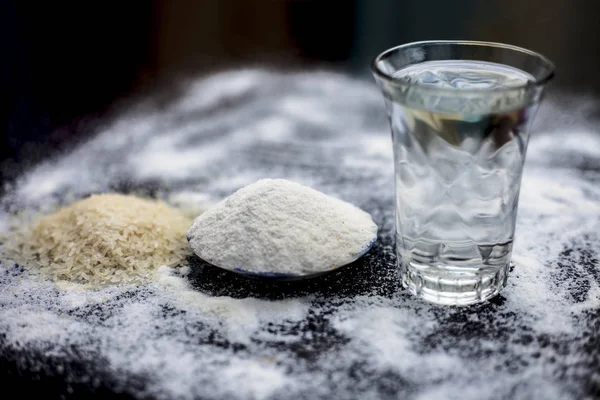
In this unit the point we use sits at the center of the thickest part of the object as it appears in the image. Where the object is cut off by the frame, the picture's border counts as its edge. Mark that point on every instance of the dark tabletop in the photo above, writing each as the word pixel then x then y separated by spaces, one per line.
pixel 351 334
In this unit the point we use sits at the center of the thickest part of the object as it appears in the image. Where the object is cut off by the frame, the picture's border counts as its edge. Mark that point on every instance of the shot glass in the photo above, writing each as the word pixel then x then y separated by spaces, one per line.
pixel 460 113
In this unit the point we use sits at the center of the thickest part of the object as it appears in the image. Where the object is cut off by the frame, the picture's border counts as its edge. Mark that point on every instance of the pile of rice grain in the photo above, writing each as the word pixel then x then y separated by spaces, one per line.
pixel 104 239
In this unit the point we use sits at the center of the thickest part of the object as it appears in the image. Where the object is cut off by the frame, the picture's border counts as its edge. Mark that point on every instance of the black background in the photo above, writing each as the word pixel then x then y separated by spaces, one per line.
pixel 65 62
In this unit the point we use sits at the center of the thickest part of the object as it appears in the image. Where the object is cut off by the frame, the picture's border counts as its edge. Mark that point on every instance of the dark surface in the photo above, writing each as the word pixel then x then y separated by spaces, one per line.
pixel 77 376
pixel 489 336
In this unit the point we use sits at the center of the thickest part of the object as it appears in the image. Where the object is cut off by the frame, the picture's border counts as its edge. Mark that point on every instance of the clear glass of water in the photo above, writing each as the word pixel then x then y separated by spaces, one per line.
pixel 460 114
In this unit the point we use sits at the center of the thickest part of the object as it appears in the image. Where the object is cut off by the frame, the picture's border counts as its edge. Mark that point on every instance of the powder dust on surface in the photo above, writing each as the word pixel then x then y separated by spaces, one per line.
pixel 356 337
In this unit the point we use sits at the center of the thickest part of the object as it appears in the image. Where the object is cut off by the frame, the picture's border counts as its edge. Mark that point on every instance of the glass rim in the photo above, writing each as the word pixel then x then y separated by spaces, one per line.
pixel 544 79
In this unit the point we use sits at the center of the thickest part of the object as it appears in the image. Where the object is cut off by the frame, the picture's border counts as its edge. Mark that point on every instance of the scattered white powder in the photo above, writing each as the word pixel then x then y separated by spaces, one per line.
pixel 237 317
pixel 279 226
pixel 354 335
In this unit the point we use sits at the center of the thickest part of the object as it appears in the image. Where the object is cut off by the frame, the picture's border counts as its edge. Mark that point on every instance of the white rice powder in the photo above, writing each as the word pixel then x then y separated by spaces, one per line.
pixel 279 226
pixel 200 333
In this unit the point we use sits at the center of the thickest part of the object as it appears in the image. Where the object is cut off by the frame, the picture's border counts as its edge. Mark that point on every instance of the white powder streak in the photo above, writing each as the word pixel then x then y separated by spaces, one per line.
pixel 240 317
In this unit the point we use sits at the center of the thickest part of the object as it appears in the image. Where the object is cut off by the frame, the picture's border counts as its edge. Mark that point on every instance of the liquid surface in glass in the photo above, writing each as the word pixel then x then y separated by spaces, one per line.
pixel 458 163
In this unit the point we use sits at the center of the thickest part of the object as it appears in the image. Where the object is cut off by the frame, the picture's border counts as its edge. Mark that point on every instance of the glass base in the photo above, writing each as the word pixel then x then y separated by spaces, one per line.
pixel 452 284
